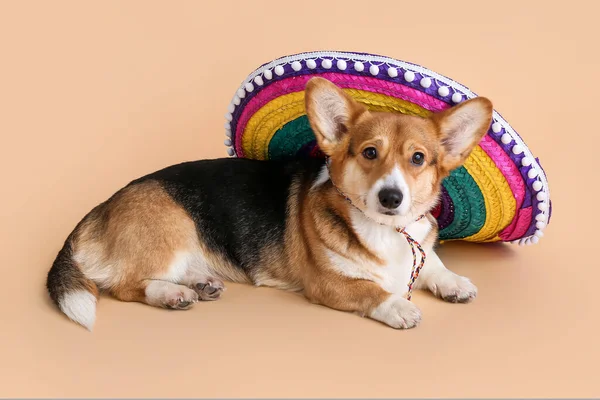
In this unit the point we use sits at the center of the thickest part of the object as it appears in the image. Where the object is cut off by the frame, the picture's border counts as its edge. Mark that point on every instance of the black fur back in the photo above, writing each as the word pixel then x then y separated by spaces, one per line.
pixel 238 205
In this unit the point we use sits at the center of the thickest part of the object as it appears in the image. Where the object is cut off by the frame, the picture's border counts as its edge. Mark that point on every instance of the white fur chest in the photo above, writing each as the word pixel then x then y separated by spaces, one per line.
pixel 390 246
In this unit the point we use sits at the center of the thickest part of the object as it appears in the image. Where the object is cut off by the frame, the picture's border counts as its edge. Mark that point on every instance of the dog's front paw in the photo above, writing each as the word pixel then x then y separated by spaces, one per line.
pixel 397 312
pixel 452 288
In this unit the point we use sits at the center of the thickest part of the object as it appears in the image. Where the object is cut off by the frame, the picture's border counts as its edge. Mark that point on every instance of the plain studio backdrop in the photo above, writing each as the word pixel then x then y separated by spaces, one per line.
pixel 95 94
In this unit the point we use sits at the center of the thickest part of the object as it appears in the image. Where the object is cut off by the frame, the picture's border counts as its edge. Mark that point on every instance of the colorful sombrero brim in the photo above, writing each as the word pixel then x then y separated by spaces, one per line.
pixel 500 194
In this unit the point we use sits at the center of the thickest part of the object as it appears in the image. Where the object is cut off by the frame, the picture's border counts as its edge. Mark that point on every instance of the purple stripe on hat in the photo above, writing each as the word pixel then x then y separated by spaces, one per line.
pixel 383 75
pixel 447 213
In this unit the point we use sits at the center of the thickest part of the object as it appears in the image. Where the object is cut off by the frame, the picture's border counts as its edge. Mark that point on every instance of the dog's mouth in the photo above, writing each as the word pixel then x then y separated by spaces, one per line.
pixel 390 212
pixel 378 209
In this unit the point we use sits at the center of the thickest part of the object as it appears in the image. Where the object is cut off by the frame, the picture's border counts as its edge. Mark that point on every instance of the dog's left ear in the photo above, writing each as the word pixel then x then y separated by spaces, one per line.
pixel 331 113
pixel 462 127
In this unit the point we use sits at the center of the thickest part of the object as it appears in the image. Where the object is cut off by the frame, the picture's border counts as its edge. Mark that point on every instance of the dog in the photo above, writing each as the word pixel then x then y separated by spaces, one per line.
pixel 325 227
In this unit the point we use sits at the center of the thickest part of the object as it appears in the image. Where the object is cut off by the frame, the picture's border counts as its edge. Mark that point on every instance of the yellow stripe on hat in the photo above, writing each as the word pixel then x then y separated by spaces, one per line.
pixel 271 117
pixel 500 204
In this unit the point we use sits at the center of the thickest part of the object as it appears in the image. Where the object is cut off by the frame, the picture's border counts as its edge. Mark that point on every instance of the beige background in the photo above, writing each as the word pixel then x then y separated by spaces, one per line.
pixel 94 94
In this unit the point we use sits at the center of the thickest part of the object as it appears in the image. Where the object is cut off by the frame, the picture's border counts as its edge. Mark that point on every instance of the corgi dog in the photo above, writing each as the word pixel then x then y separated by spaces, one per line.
pixel 328 228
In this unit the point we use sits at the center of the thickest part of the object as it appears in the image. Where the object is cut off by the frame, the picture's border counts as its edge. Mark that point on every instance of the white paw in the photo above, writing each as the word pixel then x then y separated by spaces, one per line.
pixel 451 287
pixel 180 298
pixel 397 312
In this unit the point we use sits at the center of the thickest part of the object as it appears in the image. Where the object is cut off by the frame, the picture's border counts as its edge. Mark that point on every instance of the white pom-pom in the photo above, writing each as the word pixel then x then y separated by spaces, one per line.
pixel 228 132
pixel 227 126
pixel 532 173
pixel 496 127
pixel 541 196
pixel 227 142
pixel 231 107
pixel 326 63
pixel 259 80
pixel 457 97
pixel 392 72
pixel 279 70
pixel 230 152
pixel 268 74
pixel 526 161
pixel 249 87
pixel 540 224
pixel 517 149
pixel 539 233
pixel 236 100
pixel 409 76
pixel 296 66
pixel 358 66
pixel 542 206
pixel 444 91
pixel 540 217
pixel 522 242
pixel 537 186
pixel 426 82
pixel 506 139
pixel 312 64
pixel 241 93
pixel 374 70
pixel 535 239
pixel 342 65
pixel 228 117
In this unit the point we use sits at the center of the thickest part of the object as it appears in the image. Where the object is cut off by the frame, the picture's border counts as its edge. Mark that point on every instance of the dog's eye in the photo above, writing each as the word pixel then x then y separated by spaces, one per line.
pixel 418 158
pixel 370 153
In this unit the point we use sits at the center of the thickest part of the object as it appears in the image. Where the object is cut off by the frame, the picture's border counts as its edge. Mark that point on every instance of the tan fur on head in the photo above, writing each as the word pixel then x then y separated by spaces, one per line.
pixel 345 130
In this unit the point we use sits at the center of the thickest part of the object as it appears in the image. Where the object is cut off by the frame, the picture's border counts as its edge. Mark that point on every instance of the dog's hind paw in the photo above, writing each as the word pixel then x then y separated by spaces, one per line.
pixel 209 289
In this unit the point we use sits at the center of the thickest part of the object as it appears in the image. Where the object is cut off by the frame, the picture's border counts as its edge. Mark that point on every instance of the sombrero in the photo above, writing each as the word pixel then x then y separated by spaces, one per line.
pixel 500 194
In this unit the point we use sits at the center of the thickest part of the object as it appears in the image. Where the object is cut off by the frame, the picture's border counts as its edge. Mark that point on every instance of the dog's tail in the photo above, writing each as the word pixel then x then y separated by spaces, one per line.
pixel 74 293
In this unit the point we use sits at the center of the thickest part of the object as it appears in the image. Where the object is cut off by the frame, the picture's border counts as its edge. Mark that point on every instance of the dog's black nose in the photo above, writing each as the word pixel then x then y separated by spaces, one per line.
pixel 390 198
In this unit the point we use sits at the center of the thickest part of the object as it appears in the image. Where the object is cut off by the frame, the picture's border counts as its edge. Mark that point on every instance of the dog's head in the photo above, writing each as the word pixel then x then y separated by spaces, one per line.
pixel 391 165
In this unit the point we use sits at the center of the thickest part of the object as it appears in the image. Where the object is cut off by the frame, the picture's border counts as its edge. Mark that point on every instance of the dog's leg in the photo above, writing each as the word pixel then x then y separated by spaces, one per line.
pixel 170 295
pixel 178 287
pixel 158 293
pixel 365 298
pixel 444 283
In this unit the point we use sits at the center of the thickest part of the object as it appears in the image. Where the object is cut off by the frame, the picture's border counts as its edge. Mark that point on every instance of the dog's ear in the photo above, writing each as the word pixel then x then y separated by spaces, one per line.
pixel 461 128
pixel 331 113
